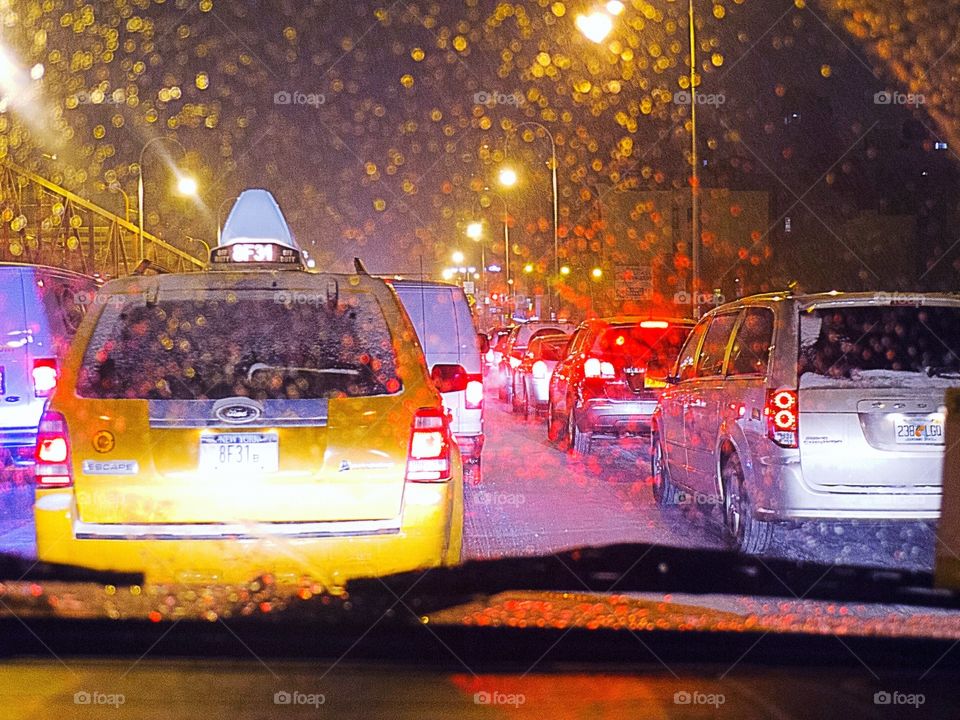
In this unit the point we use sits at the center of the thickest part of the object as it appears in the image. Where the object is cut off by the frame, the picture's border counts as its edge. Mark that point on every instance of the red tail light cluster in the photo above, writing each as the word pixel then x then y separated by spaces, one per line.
pixel 44 376
pixel 595 368
pixel 783 413
pixel 473 400
pixel 429 457
pixel 52 467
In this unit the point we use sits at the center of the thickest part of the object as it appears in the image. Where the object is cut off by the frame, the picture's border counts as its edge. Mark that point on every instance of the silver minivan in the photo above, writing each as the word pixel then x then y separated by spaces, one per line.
pixel 812 407
pixel 40 310
pixel 441 315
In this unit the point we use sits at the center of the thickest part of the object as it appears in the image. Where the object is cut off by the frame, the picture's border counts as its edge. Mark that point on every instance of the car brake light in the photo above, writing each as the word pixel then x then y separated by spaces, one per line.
pixel 658 324
pixel 491 356
pixel 474 397
pixel 594 368
pixel 782 413
pixel 540 370
pixel 53 452
pixel 429 457
pixel 514 362
pixel 44 376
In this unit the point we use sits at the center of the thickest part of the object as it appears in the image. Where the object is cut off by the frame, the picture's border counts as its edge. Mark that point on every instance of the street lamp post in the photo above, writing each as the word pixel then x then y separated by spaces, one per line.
pixel 556 207
pixel 475 232
pixel 596 27
pixel 143 150
pixel 506 240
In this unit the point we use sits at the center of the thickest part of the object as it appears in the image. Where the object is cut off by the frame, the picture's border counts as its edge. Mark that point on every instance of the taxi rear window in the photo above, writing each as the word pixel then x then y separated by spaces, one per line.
pixel 263 345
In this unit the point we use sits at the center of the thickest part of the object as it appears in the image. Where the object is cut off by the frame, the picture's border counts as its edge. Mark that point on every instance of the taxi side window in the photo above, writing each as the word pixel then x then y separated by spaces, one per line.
pixel 710 362
pixel 751 346
pixel 686 361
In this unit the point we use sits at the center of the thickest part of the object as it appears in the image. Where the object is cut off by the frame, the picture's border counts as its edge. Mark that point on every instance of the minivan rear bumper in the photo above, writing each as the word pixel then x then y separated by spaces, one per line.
pixel 20 443
pixel 792 498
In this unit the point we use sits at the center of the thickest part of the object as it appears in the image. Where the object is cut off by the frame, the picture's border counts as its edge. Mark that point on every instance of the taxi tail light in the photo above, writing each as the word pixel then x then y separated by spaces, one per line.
pixel 783 413
pixel 52 455
pixel 429 458
pixel 474 396
pixel 540 370
pixel 44 374
pixel 595 368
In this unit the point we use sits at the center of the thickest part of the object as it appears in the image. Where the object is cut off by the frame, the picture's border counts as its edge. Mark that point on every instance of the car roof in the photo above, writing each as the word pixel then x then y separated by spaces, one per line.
pixel 419 283
pixel 245 278
pixel 881 297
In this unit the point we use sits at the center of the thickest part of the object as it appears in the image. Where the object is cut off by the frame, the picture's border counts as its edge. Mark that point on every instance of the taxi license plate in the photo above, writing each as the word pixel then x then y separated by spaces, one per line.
pixel 239 452
pixel 919 431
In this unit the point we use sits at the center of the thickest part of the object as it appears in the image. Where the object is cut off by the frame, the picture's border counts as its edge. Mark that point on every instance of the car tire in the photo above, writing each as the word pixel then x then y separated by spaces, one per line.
pixel 665 493
pixel 553 428
pixel 745 532
pixel 526 402
pixel 578 441
pixel 515 397
pixel 502 390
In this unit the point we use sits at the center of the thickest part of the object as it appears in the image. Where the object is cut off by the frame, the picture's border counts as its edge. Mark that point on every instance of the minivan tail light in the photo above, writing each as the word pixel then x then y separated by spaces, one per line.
pixel 44 376
pixel 540 370
pixel 473 400
pixel 594 368
pixel 429 456
pixel 783 413
pixel 53 452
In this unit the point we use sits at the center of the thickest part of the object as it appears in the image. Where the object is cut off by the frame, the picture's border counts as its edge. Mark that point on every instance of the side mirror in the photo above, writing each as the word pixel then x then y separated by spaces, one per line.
pixel 449 378
pixel 671 379
pixel 484 342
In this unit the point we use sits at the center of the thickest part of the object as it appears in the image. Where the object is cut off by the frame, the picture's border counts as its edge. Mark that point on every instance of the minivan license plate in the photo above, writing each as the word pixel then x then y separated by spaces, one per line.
pixel 919 431
pixel 239 452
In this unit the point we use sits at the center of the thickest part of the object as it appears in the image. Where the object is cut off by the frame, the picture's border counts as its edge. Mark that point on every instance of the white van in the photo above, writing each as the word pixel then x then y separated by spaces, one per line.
pixel 450 341
pixel 40 309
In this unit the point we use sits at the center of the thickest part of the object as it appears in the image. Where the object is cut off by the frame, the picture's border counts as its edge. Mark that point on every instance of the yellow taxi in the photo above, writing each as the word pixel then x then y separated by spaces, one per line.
pixel 254 418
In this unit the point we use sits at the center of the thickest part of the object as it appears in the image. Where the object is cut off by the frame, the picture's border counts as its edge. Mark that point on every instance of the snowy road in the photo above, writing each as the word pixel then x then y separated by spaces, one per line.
pixel 535 499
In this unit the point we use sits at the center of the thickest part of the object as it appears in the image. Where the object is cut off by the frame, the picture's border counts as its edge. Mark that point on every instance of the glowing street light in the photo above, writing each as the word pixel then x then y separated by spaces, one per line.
pixel 475 230
pixel 596 273
pixel 595 26
pixel 186 185
pixel 447 273
pixel 457 257
pixel 615 7
pixel 507 176
pixel 528 268
pixel 565 270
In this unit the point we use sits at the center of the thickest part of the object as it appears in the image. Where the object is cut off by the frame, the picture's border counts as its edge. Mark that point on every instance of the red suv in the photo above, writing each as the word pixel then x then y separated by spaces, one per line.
pixel 608 384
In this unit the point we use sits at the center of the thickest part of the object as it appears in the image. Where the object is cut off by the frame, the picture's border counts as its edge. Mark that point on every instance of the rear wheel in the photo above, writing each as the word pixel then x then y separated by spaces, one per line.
pixel 515 398
pixel 745 532
pixel 553 427
pixel 665 493
pixel 579 441
pixel 526 402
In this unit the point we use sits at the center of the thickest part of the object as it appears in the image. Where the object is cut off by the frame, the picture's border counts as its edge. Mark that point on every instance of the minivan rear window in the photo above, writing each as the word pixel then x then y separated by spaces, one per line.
pixel 880 345
pixel 257 344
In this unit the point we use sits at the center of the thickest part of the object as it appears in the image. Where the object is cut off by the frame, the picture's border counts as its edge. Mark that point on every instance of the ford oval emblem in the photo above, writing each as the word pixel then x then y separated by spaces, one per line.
pixel 237 411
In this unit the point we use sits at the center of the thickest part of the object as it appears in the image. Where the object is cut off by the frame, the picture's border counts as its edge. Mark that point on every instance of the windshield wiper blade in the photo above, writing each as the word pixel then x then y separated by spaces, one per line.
pixel 942 371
